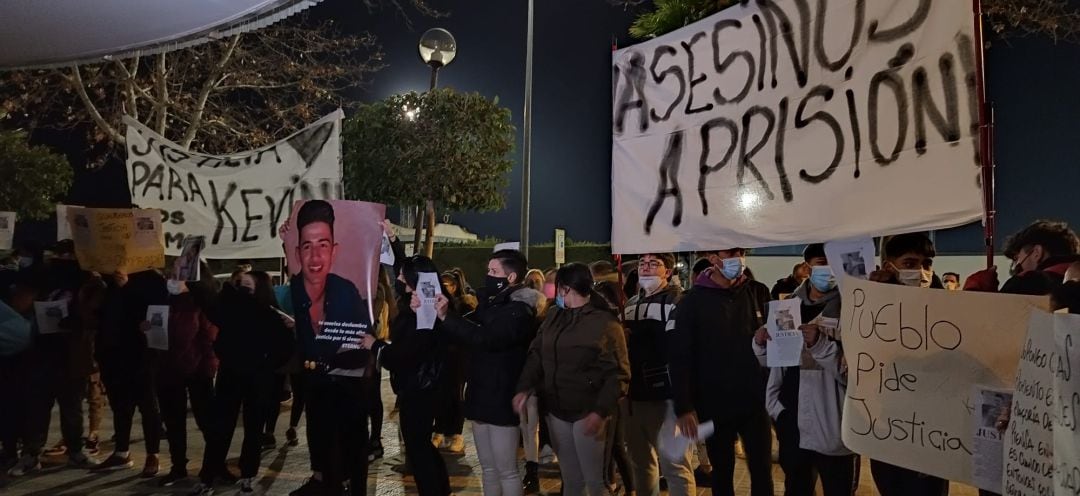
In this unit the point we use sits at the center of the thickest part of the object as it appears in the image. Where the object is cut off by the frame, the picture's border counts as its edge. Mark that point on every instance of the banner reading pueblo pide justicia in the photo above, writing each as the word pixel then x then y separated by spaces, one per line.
pixel 793 121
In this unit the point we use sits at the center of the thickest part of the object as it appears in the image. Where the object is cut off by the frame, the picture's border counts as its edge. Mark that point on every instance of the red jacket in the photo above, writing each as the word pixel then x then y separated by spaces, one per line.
pixel 191 343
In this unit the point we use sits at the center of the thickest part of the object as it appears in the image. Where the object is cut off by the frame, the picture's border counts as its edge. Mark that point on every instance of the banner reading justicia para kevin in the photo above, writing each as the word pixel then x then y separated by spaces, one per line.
pixel 793 121
pixel 237 201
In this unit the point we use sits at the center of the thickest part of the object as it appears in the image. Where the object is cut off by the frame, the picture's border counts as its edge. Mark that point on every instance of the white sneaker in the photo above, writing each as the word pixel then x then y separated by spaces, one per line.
pixel 247 486
pixel 457 444
pixel 547 456
pixel 201 489
pixel 26 465
pixel 438 440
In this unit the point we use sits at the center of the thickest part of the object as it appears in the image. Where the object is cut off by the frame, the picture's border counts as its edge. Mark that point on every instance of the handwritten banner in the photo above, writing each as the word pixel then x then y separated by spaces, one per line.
pixel 1067 405
pixel 239 201
pixel 913 357
pixel 793 121
pixel 108 240
pixel 1029 442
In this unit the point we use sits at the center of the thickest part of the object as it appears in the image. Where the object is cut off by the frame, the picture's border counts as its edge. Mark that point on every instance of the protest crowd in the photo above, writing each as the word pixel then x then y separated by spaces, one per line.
pixel 600 368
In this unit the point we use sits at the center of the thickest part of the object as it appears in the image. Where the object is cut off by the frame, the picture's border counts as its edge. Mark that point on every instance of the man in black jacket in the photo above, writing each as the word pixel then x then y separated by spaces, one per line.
pixel 1041 253
pixel 715 374
pixel 497 338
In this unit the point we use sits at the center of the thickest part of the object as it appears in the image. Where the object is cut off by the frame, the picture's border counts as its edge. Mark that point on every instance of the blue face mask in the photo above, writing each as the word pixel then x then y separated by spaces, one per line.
pixel 559 301
pixel 732 268
pixel 822 278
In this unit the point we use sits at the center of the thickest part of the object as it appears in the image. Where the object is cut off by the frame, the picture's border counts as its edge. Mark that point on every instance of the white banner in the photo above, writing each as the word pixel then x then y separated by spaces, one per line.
pixel 794 121
pixel 913 357
pixel 1066 383
pixel 238 201
pixel 7 230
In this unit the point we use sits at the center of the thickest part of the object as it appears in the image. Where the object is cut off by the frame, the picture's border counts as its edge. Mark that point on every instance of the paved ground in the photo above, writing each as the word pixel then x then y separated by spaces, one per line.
pixel 286 469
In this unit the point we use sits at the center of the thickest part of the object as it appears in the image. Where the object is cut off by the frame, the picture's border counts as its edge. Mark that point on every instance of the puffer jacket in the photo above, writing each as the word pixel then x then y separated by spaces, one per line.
pixel 814 391
pixel 496 338
pixel 578 363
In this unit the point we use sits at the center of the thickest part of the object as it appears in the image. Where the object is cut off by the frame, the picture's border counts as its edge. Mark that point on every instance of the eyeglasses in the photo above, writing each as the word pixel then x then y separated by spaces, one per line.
pixel 651 264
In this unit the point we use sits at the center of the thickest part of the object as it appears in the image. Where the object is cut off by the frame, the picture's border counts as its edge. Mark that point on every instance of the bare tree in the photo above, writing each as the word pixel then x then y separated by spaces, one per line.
pixel 231 94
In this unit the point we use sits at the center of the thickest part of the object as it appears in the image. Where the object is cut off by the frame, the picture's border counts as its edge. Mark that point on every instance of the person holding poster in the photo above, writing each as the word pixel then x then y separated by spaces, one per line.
pixel 806 401
pixel 414 358
pixel 906 259
pixel 496 339
pixel 714 373
pixel 253 342
pixel 186 370
pixel 1041 253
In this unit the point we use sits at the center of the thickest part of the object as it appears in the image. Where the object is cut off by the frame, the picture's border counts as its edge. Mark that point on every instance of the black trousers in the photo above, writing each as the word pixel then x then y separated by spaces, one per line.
pixel 273 407
pixel 615 456
pixel 839 474
pixel 898 481
pixel 298 384
pixel 128 390
pixel 450 412
pixel 13 389
pixel 798 464
pixel 753 428
pixel 417 416
pixel 337 437
pixel 374 403
pixel 173 400
pixel 235 391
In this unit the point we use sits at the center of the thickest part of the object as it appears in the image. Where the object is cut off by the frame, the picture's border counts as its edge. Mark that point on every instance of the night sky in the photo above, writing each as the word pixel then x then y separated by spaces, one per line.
pixel 571 158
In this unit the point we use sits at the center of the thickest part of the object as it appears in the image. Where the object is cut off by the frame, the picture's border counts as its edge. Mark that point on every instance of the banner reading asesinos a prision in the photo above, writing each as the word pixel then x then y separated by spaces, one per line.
pixel 795 121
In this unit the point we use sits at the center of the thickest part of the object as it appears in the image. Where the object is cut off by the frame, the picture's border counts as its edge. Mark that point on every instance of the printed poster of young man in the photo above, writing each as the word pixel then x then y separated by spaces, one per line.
pixel 332 249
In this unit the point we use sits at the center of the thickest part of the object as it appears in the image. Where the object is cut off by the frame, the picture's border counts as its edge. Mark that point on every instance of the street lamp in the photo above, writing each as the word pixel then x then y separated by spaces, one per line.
pixel 437 49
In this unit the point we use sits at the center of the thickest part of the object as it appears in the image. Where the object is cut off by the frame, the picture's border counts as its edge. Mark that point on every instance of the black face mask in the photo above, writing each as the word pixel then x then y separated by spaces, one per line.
pixel 495 284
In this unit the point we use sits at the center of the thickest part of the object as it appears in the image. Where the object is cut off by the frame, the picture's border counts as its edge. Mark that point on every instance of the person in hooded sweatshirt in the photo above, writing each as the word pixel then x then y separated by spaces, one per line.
pixel 647 316
pixel 714 373
pixel 185 371
pixel 253 342
pixel 1041 253
pixel 577 363
pixel 496 338
pixel 806 401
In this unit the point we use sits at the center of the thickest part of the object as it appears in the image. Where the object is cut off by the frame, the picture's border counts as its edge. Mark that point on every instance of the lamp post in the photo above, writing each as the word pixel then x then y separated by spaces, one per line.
pixel 526 148
pixel 437 49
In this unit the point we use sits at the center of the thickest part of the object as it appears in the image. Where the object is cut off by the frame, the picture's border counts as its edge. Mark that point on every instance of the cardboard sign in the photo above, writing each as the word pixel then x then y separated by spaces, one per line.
pixel 109 240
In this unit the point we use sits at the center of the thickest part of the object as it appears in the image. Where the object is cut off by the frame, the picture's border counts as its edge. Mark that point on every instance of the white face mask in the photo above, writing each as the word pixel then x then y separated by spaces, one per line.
pixel 915 277
pixel 174 287
pixel 649 284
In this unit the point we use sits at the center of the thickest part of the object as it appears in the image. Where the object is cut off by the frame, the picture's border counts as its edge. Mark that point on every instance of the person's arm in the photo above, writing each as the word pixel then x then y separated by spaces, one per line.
pixel 680 344
pixel 532 374
pixel 772 392
pixel 615 369
pixel 511 330
pixel 827 353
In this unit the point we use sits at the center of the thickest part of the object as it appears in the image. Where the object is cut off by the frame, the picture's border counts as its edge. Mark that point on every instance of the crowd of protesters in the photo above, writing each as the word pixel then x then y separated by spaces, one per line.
pixel 588 361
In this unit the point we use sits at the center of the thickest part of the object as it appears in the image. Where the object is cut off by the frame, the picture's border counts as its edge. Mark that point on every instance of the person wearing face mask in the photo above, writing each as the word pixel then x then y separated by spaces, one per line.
pixel 806 401
pixel 905 259
pixel 951 281
pixel 253 342
pixel 185 371
pixel 414 358
pixel 789 284
pixel 714 373
pixel 577 363
pixel 1041 254
pixel 496 338
pixel 449 417
pixel 646 318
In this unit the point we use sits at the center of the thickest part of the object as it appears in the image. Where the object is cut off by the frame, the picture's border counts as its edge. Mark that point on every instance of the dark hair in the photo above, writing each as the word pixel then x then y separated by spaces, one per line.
pixel 1066 296
pixel 901 244
pixel 667 258
pixel 264 289
pixel 314 211
pixel 630 285
pixel 706 253
pixel 813 251
pixel 700 266
pixel 947 274
pixel 414 265
pixel 601 268
pixel 513 262
pixel 456 278
pixel 1056 238
pixel 578 277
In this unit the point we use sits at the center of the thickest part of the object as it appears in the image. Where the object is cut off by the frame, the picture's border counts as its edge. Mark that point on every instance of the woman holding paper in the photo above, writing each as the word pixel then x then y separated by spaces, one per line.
pixel 253 342
pixel 415 361
pixel 578 364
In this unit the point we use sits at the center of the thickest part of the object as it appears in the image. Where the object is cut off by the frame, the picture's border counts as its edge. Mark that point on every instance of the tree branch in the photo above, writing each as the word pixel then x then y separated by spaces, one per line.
pixel 209 84
pixel 161 110
pixel 75 80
